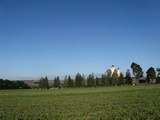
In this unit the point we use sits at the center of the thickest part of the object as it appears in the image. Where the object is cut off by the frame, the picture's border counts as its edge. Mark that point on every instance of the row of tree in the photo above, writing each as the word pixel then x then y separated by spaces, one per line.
pixel 43 83
pixel 7 84
pixel 107 79
pixel 150 74
pixel 91 81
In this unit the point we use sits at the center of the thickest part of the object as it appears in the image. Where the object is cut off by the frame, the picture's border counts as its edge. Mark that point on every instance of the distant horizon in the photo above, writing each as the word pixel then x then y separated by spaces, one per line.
pixel 51 77
pixel 58 38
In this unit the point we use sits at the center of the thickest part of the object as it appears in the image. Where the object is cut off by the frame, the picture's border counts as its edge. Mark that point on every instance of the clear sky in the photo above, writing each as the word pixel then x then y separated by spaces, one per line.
pixel 62 37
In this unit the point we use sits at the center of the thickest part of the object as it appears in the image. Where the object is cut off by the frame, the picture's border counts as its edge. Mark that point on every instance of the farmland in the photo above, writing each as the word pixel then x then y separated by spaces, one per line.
pixel 119 102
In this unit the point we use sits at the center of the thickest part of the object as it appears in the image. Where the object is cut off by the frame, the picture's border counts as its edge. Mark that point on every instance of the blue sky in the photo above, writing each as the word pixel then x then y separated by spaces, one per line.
pixel 62 37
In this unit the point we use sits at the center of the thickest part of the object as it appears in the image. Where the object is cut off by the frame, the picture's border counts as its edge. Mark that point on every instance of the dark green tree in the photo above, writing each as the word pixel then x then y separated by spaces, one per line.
pixel 115 78
pixel 128 79
pixel 103 80
pixel 158 80
pixel 106 79
pixel 84 81
pixel 1 84
pixel 158 76
pixel 91 80
pixel 66 83
pixel 79 80
pixel 46 82
pixel 21 85
pixel 70 82
pixel 137 70
pixel 8 84
pixel 43 83
pixel 151 74
pixel 98 81
pixel 121 79
pixel 109 78
pixel 57 83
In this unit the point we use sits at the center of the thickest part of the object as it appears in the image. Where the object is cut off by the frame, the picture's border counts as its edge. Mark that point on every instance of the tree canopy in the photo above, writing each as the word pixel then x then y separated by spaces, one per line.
pixel 7 84
pixel 128 79
pixel 79 81
pixel 57 83
pixel 137 70
pixel 106 79
pixel 43 83
pixel 151 74
pixel 91 80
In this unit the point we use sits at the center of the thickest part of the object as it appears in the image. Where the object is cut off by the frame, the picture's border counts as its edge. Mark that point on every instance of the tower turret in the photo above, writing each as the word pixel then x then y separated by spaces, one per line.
pixel 112 69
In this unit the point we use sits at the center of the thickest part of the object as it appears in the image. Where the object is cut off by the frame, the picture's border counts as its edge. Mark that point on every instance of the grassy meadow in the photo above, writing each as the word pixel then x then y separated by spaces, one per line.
pixel 140 102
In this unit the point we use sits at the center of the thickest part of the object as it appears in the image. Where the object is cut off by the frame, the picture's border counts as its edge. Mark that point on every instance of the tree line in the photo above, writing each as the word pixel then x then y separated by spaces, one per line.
pixel 7 84
pixel 106 79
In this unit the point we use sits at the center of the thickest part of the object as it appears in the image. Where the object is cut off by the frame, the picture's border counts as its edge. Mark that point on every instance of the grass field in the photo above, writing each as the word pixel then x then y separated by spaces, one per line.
pixel 120 103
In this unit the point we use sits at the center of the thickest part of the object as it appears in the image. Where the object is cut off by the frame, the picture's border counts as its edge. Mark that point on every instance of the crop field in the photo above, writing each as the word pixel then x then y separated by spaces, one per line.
pixel 141 102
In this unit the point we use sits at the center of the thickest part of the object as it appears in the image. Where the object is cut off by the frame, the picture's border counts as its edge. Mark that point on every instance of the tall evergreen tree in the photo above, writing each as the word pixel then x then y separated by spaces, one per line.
pixel 46 82
pixel 98 81
pixel 83 81
pixel 108 78
pixel 121 79
pixel 128 79
pixel 91 80
pixel 57 83
pixel 78 80
pixel 43 83
pixel 103 80
pixel 70 82
pixel 115 77
pixel 66 83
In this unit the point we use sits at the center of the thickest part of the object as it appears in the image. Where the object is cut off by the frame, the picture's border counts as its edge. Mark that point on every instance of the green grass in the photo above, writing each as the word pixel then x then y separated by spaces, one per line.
pixel 120 103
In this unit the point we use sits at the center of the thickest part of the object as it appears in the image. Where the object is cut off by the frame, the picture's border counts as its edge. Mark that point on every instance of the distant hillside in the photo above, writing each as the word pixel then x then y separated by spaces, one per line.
pixel 35 83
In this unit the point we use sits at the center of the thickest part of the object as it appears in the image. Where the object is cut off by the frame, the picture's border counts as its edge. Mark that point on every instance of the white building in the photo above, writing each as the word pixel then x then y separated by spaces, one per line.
pixel 113 69
pixel 118 72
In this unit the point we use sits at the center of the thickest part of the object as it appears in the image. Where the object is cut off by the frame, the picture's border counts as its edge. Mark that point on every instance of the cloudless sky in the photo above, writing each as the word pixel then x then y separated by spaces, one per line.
pixel 62 37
